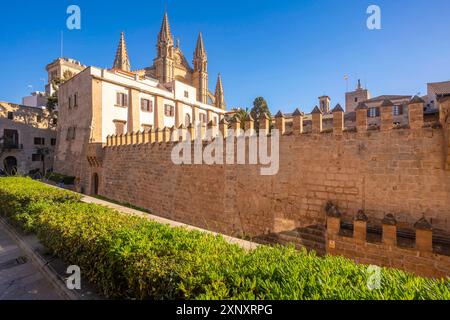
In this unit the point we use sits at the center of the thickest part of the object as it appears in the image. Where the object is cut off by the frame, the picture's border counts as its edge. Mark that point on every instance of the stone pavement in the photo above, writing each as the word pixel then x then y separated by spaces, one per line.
pixel 20 279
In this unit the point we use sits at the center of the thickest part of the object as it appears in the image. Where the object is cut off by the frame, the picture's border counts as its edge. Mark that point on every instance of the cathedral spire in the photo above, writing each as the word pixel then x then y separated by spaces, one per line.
pixel 219 95
pixel 164 34
pixel 122 62
pixel 200 48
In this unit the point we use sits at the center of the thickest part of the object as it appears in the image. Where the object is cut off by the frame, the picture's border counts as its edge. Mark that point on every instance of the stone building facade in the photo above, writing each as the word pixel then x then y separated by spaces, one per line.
pixel 27 139
pixel 97 102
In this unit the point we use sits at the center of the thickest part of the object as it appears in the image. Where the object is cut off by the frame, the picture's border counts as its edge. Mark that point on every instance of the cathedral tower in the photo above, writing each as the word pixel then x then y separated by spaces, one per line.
pixel 200 75
pixel 164 62
pixel 122 62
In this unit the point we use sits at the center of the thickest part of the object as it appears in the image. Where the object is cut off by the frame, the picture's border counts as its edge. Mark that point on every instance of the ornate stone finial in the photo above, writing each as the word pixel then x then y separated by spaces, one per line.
pixel 338 108
pixel 389 220
pixel 423 224
pixel 361 216
pixel 332 210
pixel 316 110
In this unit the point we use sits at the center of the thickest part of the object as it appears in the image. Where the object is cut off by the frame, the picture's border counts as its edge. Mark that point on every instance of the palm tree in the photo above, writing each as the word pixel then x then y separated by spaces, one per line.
pixel 241 115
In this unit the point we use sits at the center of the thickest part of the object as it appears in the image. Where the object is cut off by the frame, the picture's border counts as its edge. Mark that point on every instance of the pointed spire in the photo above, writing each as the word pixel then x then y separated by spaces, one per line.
pixel 164 34
pixel 219 94
pixel 121 61
pixel 200 47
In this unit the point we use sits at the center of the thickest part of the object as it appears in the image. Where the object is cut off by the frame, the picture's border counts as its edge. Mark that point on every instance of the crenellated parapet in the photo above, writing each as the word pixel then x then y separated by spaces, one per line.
pixel 296 124
pixel 382 243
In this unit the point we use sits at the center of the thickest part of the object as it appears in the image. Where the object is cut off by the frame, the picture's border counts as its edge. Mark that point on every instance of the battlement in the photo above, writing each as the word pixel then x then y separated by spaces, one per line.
pixel 420 250
pixel 338 129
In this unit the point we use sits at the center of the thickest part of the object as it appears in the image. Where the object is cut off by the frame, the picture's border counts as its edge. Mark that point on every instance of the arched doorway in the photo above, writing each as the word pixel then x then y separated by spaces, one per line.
pixel 10 165
pixel 94 187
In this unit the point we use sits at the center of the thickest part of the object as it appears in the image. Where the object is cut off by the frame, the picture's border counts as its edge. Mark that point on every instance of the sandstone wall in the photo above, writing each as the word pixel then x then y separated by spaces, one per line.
pixel 394 171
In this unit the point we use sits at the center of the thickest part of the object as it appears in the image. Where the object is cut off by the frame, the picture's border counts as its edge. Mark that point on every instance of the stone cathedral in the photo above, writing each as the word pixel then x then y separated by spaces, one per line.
pixel 170 64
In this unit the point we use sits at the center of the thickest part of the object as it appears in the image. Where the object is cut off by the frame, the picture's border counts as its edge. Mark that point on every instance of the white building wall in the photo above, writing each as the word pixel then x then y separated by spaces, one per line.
pixel 110 111
pixel 146 118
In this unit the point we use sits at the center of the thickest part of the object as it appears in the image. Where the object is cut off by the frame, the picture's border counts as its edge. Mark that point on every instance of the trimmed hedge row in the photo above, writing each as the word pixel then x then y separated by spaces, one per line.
pixel 131 257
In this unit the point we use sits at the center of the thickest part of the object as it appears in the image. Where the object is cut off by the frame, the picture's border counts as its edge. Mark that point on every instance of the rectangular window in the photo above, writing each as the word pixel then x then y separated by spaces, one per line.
pixel 53 142
pixel 169 111
pixel 397 110
pixel 146 105
pixel 10 115
pixel 121 99
pixel 75 99
pixel 11 138
pixel 39 141
pixel 202 117
pixel 71 133
pixel 37 157
pixel 70 102
pixel 373 112
pixel 120 127
pixel 186 94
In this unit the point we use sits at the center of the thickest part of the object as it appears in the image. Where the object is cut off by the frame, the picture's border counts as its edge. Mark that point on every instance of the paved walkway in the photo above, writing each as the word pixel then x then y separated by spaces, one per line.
pixel 20 279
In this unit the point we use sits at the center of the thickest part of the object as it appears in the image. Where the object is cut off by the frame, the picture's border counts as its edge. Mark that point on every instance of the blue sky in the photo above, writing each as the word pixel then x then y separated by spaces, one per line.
pixel 289 52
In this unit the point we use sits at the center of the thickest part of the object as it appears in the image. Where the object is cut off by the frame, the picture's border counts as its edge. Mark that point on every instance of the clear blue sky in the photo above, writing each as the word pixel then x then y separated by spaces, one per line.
pixel 289 52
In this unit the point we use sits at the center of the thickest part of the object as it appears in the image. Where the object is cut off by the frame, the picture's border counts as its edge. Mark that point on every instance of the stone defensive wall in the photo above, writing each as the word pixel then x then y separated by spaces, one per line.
pixel 386 171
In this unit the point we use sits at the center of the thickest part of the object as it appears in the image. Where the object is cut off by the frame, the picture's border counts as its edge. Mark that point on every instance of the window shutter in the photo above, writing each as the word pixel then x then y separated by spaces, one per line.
pixel 125 100
pixel 400 110
pixel 142 104
pixel 368 113
pixel 377 112
pixel 118 102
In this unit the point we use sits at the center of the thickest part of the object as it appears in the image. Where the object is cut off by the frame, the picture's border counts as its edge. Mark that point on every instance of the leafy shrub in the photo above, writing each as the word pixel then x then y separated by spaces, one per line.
pixel 131 257
pixel 16 194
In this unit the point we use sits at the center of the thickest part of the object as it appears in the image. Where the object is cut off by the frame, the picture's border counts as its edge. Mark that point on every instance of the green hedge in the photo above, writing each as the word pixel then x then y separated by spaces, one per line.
pixel 16 194
pixel 131 257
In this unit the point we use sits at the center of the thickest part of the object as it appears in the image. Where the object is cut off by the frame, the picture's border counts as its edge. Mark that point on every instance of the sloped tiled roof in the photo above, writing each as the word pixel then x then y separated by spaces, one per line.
pixel 440 88
pixel 387 97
